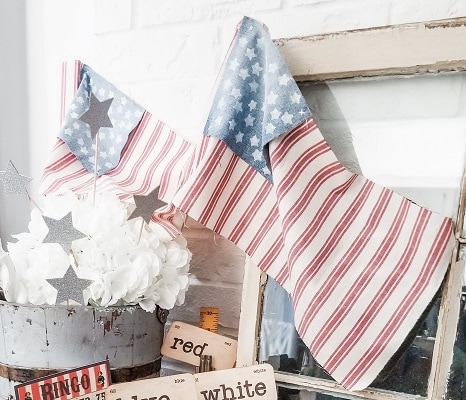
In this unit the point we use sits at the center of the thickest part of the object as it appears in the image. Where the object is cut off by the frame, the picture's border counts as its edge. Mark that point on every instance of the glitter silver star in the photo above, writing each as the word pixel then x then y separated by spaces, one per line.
pixel 62 231
pixel 13 182
pixel 70 287
pixel 97 115
pixel 146 205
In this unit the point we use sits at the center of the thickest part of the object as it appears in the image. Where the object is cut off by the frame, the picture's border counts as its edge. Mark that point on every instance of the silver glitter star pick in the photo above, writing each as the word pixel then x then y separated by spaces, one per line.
pixel 13 182
pixel 146 205
pixel 97 115
pixel 62 231
pixel 70 287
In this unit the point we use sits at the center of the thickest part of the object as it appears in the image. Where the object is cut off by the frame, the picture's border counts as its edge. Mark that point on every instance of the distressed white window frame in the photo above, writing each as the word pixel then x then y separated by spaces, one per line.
pixel 434 46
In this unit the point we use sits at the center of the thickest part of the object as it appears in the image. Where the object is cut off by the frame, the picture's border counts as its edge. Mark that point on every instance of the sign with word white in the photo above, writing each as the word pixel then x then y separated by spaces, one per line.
pixel 88 382
pixel 249 383
pixel 175 387
pixel 185 342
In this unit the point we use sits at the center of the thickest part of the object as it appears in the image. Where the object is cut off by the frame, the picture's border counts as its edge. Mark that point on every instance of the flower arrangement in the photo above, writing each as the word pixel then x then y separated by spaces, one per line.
pixel 129 262
pixel 85 243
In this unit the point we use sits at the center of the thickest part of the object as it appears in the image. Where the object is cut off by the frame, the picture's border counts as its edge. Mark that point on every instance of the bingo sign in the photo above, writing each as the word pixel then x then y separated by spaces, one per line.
pixel 84 383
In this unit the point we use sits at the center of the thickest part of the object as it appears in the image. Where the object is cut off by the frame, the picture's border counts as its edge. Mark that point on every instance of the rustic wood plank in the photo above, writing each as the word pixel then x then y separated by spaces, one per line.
pixel 449 310
pixel 332 388
pixel 392 50
pixel 251 309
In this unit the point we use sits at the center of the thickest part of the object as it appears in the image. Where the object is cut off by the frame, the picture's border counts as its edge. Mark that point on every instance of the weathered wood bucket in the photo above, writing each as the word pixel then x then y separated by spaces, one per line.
pixel 36 341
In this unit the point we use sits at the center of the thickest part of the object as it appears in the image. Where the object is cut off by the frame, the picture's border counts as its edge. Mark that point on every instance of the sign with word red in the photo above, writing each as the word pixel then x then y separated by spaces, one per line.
pixel 87 382
pixel 249 383
pixel 187 343
pixel 175 387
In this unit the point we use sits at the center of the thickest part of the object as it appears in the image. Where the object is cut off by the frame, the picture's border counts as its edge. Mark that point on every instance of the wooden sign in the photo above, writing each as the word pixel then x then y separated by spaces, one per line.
pixel 256 382
pixel 175 387
pixel 88 382
pixel 187 343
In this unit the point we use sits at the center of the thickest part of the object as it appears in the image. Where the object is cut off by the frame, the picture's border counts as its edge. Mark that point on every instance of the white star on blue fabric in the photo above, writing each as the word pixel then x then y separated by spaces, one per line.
pixel 257 99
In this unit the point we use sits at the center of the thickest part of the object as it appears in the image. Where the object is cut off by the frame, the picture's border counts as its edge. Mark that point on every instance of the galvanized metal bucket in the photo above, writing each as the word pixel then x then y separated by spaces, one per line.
pixel 36 341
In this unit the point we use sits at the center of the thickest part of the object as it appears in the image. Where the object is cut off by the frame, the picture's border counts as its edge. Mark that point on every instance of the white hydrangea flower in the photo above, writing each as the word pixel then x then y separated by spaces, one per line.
pixel 128 262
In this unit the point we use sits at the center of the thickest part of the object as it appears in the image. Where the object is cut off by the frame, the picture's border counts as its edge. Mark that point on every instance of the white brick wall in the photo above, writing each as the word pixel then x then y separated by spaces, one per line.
pixel 216 277
pixel 166 54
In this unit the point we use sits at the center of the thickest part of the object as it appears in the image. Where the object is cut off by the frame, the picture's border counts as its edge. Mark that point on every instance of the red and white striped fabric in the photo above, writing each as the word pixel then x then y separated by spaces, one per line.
pixel 361 263
pixel 153 156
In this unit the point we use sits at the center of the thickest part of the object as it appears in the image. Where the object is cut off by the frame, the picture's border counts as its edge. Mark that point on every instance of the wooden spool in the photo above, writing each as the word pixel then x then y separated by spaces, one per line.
pixel 36 341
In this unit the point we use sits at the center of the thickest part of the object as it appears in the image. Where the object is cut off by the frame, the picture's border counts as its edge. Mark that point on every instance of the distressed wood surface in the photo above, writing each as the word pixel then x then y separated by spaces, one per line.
pixel 251 309
pixel 332 388
pixel 449 308
pixel 391 50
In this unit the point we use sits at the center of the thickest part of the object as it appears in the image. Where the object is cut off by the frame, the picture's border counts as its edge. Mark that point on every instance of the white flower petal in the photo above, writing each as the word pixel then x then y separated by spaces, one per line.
pixel 126 265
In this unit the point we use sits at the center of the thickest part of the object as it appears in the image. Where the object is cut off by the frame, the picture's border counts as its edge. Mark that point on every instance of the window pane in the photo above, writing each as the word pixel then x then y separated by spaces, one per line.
pixel 456 389
pixel 281 346
pixel 408 134
pixel 285 393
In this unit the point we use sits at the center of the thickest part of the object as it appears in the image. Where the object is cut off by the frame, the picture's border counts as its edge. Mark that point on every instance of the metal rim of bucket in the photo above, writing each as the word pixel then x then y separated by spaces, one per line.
pixel 161 313
pixel 122 374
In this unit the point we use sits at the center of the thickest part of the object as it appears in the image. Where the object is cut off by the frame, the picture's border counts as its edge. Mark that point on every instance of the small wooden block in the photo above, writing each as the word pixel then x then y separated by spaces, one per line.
pixel 256 382
pixel 187 343
pixel 175 387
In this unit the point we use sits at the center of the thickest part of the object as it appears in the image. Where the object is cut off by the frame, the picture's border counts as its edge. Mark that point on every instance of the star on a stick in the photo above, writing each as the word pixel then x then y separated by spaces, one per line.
pixel 13 182
pixel 70 287
pixel 146 205
pixel 97 115
pixel 62 231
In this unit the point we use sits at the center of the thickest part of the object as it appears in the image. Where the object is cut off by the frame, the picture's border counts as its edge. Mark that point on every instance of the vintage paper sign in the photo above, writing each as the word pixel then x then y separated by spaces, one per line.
pixel 187 343
pixel 256 382
pixel 89 382
pixel 175 387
